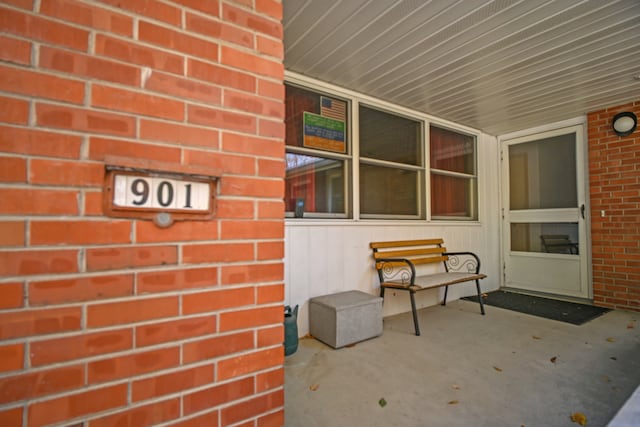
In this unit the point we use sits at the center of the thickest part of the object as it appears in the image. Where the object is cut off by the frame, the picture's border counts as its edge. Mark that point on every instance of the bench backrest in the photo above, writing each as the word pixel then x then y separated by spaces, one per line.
pixel 423 251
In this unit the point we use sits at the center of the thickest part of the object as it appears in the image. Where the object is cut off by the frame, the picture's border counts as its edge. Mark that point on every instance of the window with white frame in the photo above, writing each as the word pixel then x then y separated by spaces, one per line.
pixel 318 154
pixel 391 176
pixel 454 189
pixel 391 165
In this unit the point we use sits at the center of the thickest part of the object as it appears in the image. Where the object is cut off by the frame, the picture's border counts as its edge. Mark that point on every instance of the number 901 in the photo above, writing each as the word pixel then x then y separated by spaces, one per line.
pixel 163 194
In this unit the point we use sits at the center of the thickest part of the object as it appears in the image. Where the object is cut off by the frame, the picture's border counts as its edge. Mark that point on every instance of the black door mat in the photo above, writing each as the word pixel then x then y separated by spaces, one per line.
pixel 564 311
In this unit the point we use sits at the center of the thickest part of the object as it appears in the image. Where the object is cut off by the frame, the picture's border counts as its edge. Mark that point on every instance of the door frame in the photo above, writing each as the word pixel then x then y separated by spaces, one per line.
pixel 582 168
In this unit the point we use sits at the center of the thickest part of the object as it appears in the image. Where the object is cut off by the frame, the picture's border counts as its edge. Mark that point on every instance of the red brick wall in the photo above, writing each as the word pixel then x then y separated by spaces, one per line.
pixel 107 321
pixel 614 175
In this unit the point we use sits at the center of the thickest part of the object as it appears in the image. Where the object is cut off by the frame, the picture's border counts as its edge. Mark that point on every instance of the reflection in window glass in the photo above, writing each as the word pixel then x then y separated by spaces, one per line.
pixel 389 137
pixel 298 101
pixel 454 187
pixel 542 174
pixel 456 201
pixel 452 151
pixel 559 238
pixel 314 184
pixel 388 191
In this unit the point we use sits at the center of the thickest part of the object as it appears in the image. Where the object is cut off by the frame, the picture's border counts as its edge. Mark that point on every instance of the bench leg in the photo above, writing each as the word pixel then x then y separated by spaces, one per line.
pixel 480 297
pixel 415 314
pixel 444 301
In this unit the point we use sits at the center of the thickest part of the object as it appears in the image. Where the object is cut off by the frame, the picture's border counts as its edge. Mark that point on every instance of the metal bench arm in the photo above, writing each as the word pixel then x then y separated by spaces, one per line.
pixel 404 260
pixel 475 264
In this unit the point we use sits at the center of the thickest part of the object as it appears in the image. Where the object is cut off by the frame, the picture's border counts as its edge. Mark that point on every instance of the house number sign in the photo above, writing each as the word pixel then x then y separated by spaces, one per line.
pixel 179 193
pixel 136 191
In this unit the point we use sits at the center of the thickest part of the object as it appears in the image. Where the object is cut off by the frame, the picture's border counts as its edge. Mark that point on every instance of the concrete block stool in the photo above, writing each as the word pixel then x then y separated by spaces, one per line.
pixel 345 318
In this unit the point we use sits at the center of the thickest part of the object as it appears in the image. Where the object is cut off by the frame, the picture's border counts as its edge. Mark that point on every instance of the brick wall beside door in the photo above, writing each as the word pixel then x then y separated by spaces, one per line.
pixel 614 181
pixel 107 321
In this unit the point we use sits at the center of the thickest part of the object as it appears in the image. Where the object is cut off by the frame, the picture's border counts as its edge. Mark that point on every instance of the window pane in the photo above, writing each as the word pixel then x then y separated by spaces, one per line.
pixel 560 238
pixel 453 196
pixel 453 177
pixel 452 151
pixel 542 174
pixel 313 120
pixel 314 184
pixel 384 136
pixel 388 191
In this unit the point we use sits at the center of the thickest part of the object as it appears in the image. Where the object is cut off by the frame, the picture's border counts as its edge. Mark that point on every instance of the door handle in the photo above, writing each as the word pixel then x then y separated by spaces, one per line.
pixel 582 211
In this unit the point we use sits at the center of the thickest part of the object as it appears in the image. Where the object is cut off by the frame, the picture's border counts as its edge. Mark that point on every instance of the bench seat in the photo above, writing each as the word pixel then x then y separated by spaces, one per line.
pixel 435 280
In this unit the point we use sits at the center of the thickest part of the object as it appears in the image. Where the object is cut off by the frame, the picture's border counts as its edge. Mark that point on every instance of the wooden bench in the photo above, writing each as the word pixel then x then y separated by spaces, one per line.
pixel 396 263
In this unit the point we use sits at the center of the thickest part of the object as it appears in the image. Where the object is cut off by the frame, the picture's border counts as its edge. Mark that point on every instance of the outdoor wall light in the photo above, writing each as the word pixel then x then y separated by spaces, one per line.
pixel 624 123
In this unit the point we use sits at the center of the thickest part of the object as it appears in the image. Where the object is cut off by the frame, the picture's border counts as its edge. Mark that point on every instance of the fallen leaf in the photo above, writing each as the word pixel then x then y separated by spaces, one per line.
pixel 314 387
pixel 497 369
pixel 382 402
pixel 611 339
pixel 606 379
pixel 455 387
pixel 631 325
pixel 553 359
pixel 579 418
pixel 535 337
pixel 453 402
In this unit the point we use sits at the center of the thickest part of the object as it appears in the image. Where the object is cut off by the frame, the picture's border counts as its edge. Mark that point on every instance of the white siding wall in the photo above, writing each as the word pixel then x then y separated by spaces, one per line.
pixel 329 256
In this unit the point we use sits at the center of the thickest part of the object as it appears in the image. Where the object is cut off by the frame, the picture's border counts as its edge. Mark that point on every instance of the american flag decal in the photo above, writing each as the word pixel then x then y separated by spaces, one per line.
pixel 333 109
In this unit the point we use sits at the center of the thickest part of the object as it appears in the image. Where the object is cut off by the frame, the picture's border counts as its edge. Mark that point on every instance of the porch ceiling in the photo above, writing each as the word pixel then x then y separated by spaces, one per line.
pixel 498 66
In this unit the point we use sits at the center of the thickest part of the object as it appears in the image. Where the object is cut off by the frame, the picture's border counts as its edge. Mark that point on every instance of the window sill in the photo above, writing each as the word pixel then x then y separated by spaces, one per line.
pixel 325 222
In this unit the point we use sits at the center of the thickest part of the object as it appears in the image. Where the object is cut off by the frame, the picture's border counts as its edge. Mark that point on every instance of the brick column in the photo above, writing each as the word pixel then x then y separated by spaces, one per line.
pixel 614 178
pixel 115 321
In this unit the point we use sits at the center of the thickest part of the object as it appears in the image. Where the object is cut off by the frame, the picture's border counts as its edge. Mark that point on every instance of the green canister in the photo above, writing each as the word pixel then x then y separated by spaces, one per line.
pixel 290 330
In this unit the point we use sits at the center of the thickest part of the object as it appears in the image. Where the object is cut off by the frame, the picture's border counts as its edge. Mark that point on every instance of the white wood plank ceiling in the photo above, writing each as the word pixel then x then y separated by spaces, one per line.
pixel 498 66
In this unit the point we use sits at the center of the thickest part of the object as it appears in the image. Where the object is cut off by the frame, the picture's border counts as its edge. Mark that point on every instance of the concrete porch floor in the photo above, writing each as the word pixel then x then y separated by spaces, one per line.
pixel 502 369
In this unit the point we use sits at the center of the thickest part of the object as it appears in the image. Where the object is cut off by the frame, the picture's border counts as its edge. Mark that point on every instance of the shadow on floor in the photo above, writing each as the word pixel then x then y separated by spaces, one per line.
pixel 502 369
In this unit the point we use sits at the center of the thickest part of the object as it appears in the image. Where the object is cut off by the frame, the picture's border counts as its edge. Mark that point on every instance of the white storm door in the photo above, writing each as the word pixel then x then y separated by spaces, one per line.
pixel 544 214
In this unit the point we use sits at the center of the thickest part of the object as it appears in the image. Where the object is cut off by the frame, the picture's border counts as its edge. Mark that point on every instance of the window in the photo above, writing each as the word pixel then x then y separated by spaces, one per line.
pixel 318 160
pixel 392 179
pixel 391 165
pixel 453 174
